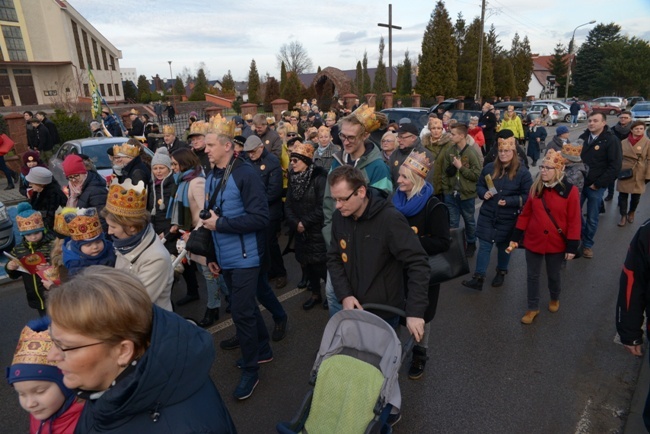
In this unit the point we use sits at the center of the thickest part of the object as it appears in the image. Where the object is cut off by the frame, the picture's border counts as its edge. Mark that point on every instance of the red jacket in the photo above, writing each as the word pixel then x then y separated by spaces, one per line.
pixel 64 424
pixel 477 135
pixel 539 232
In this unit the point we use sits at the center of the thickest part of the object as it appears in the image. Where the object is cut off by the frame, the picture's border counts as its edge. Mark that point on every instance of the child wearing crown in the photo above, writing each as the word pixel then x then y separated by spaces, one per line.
pixel 87 245
pixel 52 407
pixel 34 249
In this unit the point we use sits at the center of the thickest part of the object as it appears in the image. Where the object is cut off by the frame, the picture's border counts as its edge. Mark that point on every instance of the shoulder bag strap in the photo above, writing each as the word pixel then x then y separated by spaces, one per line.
pixel 222 183
pixel 548 211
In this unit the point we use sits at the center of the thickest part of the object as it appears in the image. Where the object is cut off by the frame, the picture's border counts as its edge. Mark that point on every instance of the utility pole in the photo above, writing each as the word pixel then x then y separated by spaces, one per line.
pixel 390 45
pixel 480 54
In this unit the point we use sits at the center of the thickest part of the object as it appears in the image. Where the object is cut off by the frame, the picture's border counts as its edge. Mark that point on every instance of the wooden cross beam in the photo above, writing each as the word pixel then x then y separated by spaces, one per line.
pixel 390 45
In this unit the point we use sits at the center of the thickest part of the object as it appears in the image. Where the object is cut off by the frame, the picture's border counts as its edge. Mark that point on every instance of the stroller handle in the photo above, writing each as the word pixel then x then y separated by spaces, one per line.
pixel 385 308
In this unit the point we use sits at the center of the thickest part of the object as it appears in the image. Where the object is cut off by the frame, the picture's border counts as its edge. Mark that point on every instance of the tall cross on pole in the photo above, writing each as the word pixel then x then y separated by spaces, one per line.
pixel 390 45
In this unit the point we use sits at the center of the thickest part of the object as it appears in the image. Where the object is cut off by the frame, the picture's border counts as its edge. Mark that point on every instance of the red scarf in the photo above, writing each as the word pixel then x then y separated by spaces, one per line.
pixel 633 140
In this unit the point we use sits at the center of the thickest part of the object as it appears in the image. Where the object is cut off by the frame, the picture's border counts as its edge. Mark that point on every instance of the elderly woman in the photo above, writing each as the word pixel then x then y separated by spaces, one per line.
pixel 127 163
pixel 429 219
pixel 436 141
pixel 636 153
pixel 324 154
pixel 140 368
pixel 87 189
pixel 137 246
pixel 477 133
pixel 304 210
pixel 550 225
pixel 47 195
pixel 388 144
pixel 503 197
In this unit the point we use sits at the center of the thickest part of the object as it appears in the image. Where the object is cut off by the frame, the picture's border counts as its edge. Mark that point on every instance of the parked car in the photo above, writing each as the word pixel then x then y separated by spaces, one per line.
pixel 613 100
pixel 586 107
pixel 632 100
pixel 94 147
pixel 641 112
pixel 448 104
pixel 559 111
pixel 605 108
pixel 518 105
pixel 462 116
pixel 417 116
pixel 7 239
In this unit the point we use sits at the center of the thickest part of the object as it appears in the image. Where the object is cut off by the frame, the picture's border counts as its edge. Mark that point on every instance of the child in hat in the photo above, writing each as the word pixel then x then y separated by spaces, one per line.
pixel 52 407
pixel 87 245
pixel 574 170
pixel 35 241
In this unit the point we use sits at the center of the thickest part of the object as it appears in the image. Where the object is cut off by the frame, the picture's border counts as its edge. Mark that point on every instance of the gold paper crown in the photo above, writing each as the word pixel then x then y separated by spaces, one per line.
pixel 330 116
pixel 291 128
pixel 572 151
pixel 270 120
pixel 60 225
pixel 370 120
pixel 33 347
pixel 220 125
pixel 555 159
pixel 28 225
pixel 295 114
pixel 507 144
pixel 248 117
pixel 84 224
pixel 199 128
pixel 419 163
pixel 126 199
pixel 126 150
pixel 304 149
pixel 169 129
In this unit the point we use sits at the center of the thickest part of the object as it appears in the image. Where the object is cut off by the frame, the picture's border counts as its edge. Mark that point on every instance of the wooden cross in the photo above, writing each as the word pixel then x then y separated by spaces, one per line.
pixel 390 45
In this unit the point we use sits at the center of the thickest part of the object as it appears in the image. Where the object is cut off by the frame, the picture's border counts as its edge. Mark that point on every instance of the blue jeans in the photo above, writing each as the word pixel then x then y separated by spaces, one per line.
pixel 466 208
pixel 251 329
pixel 267 298
pixel 483 256
pixel 9 174
pixel 332 302
pixel 574 119
pixel 590 224
pixel 213 285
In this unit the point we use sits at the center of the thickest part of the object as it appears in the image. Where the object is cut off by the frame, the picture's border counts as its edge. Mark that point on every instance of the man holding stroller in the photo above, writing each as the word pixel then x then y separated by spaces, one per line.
pixel 371 250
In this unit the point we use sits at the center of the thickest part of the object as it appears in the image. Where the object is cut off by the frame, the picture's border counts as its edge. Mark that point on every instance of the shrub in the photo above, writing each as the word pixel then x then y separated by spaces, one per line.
pixel 70 126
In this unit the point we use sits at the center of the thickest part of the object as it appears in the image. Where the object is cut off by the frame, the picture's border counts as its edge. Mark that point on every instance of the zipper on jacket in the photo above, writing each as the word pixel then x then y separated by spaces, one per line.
pixel 243 247
pixel 34 282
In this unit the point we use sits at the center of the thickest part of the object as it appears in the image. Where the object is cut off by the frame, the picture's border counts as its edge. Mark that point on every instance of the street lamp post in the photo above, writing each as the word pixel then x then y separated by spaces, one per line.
pixel 171 76
pixel 571 44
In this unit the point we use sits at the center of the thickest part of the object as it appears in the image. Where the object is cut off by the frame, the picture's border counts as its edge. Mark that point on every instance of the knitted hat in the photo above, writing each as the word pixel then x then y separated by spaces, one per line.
pixel 419 163
pixel 561 130
pixel 30 358
pixel 30 156
pixel 39 175
pixel 554 159
pixel 572 151
pixel 29 221
pixel 304 152
pixel 126 199
pixel 161 157
pixel 73 165
pixel 84 224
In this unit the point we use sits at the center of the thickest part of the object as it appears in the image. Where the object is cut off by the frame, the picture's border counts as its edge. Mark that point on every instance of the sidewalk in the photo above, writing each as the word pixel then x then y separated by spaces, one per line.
pixel 634 423
pixel 10 197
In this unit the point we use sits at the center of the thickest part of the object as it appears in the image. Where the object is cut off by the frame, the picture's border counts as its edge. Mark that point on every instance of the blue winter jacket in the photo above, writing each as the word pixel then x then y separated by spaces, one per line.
pixel 75 260
pixel 495 222
pixel 169 391
pixel 240 237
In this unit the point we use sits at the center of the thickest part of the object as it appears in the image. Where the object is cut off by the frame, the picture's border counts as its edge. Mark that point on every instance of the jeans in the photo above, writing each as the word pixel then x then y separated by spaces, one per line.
pixel 622 202
pixel 574 119
pixel 251 329
pixel 9 174
pixel 275 255
pixel 213 285
pixel 267 298
pixel 590 225
pixel 332 302
pixel 466 208
pixel 553 272
pixel 483 256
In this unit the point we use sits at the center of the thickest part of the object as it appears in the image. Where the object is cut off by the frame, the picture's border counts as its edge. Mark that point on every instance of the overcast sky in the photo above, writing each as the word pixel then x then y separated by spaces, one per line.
pixel 228 34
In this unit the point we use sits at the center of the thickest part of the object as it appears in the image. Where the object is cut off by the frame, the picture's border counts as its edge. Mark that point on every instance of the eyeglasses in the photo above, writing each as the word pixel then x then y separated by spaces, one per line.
pixel 546 168
pixel 344 138
pixel 388 140
pixel 65 350
pixel 73 177
pixel 405 137
pixel 293 160
pixel 347 198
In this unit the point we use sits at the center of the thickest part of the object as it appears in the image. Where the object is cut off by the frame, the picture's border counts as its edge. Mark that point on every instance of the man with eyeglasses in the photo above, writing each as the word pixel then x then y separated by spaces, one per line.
pixel 362 154
pixel 408 139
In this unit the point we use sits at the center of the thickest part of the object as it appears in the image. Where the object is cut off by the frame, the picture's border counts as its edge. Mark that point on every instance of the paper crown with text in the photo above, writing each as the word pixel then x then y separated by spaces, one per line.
pixel 83 224
pixel 370 120
pixel 220 125
pixel 419 163
pixel 126 199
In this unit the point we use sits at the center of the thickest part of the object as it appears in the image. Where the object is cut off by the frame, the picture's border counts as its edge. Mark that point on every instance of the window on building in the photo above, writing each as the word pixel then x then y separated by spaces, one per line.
pixel 104 58
pixel 8 11
pixel 97 64
pixel 77 43
pixel 84 36
pixel 101 89
pixel 112 63
pixel 14 42
pixel 110 90
pixel 86 89
pixel 117 90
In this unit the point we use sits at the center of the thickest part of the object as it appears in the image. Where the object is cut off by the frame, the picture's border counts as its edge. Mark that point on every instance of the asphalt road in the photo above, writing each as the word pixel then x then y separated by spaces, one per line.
pixel 487 372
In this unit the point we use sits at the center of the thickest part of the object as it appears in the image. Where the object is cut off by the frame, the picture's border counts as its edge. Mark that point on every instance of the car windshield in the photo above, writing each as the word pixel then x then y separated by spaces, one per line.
pixel 641 107
pixel 98 155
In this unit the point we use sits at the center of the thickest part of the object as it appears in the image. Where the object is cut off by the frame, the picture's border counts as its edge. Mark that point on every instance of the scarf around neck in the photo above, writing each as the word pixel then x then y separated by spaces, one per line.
pixel 412 206
pixel 126 245
pixel 300 181
pixel 179 212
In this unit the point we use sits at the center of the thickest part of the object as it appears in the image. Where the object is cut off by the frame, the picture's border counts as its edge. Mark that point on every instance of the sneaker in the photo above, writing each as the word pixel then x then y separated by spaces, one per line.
pixel 418 363
pixel 529 316
pixel 554 305
pixel 394 418
pixel 280 330
pixel 260 361
pixel 588 253
pixel 246 386
pixel 231 343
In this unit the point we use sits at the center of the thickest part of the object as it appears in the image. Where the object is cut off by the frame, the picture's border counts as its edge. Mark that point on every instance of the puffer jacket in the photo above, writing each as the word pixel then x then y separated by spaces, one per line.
pixel 48 201
pixel 94 194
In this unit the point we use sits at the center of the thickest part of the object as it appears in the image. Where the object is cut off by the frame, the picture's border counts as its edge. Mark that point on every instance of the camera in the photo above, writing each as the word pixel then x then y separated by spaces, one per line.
pixel 204 214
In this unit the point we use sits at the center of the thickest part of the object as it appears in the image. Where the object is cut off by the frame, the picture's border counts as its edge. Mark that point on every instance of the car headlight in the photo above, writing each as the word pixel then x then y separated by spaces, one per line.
pixel 3 212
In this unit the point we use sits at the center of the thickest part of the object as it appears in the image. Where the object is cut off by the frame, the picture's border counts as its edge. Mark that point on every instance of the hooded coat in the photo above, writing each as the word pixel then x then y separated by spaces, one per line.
pixel 93 192
pixel 169 391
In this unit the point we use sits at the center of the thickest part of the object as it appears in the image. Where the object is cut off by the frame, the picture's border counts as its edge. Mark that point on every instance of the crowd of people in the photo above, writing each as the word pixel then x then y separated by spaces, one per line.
pixel 363 220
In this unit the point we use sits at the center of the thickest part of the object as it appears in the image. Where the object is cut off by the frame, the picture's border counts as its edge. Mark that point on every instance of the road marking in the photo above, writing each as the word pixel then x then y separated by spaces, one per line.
pixel 583 424
pixel 225 324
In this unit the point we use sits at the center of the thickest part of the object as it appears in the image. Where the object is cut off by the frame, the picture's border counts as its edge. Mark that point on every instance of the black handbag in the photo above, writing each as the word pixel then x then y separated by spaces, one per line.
pixel 625 174
pixel 453 263
pixel 200 242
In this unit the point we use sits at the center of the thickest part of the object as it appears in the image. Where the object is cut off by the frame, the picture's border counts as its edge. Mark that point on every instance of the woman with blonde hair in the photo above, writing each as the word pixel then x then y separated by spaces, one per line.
pixel 513 123
pixel 140 368
pixel 388 144
pixel 325 151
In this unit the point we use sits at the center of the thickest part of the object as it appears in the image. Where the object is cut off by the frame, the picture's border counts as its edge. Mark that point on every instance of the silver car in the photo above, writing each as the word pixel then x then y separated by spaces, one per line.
pixel 613 100
pixel 559 111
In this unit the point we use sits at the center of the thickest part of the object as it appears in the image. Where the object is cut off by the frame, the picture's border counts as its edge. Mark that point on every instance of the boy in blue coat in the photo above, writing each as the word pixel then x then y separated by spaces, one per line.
pixel 88 245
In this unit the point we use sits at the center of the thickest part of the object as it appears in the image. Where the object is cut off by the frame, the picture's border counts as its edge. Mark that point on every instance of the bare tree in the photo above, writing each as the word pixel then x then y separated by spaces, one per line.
pixel 295 57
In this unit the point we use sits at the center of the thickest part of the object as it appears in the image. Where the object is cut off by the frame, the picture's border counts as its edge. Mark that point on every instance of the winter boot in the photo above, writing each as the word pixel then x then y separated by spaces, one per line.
pixel 211 315
pixel 499 278
pixel 476 282
pixel 418 362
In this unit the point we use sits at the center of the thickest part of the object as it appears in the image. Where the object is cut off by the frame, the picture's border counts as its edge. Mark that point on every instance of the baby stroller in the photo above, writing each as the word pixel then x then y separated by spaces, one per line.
pixel 353 376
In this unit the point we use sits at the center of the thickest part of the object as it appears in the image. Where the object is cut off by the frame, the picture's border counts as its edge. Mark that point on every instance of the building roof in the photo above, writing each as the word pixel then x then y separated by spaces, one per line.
pixel 542 65
pixel 308 78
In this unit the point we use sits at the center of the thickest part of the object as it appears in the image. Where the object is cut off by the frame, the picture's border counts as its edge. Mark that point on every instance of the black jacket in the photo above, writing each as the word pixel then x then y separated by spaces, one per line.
pixel 310 246
pixel 54 133
pixel 137 128
pixel 489 122
pixel 268 166
pixel 158 206
pixel 603 157
pixel 367 258
pixel 137 171
pixel 178 144
pixel 48 201
pixel 94 194
pixel 272 142
pixel 43 140
pixel 205 161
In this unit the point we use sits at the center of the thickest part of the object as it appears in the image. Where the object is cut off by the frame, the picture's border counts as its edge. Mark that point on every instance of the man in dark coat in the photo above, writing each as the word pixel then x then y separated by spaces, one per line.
pixel 603 155
pixel 31 134
pixel 488 122
pixel 171 141
pixel 574 109
pixel 272 142
pixel 43 139
pixel 128 164
pixel 112 126
pixel 408 140
pixel 51 127
pixel 137 127
pixel 197 141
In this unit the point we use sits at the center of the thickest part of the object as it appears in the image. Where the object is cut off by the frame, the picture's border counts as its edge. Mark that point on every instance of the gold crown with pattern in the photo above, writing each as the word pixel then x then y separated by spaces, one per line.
pixel 126 199
pixel 83 224
pixel 199 128
pixel 30 224
pixel 419 163
pixel 304 149
pixel 572 151
pixel 555 159
pixel 126 150
pixel 220 125
pixel 33 347
pixel 370 120
pixel 169 129
pixel 295 114
pixel 330 116
pixel 270 120
pixel 60 225
pixel 507 144
pixel 291 128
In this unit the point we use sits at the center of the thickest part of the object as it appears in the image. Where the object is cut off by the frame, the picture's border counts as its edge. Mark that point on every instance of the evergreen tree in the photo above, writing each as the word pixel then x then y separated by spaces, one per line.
pixel 271 93
pixel 438 74
pixel 179 88
pixel 283 78
pixel 559 67
pixel 144 94
pixel 404 81
pixel 587 77
pixel 318 70
pixel 253 84
pixel 130 91
pixel 522 63
pixel 200 86
pixel 460 30
pixel 327 97
pixel 504 77
pixel 625 68
pixel 228 84
pixel 367 83
pixel 358 81
pixel 380 85
pixel 293 89
pixel 468 64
